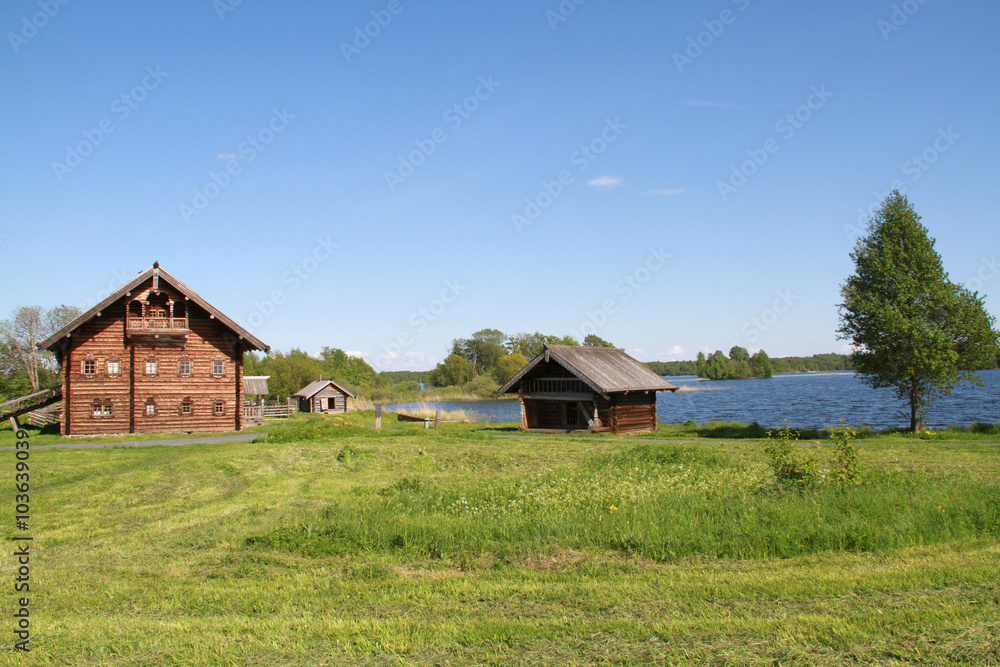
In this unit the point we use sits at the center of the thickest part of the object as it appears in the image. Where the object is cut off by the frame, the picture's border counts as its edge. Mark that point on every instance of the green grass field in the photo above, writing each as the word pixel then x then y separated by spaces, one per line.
pixel 327 543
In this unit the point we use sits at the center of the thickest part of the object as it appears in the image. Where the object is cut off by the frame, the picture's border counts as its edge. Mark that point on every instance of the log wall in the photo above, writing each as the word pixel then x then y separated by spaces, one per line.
pixel 103 339
pixel 633 413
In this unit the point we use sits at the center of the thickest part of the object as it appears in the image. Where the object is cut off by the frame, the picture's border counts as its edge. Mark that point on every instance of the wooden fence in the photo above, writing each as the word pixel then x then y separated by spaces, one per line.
pixel 256 413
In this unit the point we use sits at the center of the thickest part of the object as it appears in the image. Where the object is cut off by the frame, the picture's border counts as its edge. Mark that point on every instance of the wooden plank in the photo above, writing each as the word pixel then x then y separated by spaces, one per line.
pixel 559 397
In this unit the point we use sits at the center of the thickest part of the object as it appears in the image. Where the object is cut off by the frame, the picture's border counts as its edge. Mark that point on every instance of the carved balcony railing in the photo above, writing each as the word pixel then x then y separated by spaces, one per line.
pixel 157 324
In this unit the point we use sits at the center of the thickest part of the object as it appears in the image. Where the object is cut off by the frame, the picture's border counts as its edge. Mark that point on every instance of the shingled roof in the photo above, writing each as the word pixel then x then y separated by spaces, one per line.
pixel 606 370
pixel 255 385
pixel 157 274
pixel 314 388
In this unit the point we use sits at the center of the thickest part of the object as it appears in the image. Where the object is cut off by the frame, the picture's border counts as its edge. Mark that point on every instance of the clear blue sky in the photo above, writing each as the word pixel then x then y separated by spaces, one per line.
pixel 255 150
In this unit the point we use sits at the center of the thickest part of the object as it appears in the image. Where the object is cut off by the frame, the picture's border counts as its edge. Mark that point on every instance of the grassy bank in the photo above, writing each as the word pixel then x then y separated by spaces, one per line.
pixel 327 543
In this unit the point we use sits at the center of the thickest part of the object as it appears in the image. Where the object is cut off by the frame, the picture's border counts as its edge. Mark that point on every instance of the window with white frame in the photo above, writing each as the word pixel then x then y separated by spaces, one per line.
pixel 101 408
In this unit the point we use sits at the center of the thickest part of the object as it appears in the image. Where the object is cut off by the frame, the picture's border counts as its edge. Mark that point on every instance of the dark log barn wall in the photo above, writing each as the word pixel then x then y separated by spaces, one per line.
pixel 633 412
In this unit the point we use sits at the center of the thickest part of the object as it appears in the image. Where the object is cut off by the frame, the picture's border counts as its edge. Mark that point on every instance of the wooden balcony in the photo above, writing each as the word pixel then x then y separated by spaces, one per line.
pixel 158 329
pixel 560 389
pixel 556 386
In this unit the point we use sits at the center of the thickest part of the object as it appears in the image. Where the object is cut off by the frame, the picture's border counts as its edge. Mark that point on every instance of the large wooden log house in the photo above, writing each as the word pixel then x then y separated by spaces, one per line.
pixel 600 389
pixel 152 356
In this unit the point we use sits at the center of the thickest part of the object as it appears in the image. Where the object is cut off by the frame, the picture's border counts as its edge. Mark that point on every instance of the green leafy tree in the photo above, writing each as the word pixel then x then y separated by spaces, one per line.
pixel 717 366
pixel 738 370
pixel 454 370
pixel 340 366
pixel 701 365
pixel 911 328
pixel 760 365
pixel 526 344
pixel 482 350
pixel 593 340
pixel 561 340
pixel 509 366
pixel 290 372
pixel 253 364
pixel 530 345
pixel 737 353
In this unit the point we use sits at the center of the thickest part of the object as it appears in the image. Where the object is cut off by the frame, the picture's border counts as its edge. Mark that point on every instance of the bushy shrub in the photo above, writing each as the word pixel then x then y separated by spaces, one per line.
pixel 846 456
pixel 483 386
pixel 792 466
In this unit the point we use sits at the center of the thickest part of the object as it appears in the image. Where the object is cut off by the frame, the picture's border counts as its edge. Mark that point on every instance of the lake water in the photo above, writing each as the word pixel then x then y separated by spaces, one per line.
pixel 805 399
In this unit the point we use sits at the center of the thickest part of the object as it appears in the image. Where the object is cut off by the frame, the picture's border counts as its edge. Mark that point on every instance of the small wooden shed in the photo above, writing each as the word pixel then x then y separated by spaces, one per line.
pixel 600 389
pixel 323 396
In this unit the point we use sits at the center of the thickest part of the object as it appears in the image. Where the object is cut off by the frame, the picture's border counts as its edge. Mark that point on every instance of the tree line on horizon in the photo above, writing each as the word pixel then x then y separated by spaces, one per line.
pixel 720 367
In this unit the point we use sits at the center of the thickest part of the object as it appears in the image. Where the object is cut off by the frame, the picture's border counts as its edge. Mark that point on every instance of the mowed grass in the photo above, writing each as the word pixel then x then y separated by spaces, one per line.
pixel 331 544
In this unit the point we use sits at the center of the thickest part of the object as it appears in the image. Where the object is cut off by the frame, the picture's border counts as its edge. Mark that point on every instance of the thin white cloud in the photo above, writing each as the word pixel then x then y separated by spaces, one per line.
pixel 230 156
pixel 666 192
pixel 676 350
pixel 606 181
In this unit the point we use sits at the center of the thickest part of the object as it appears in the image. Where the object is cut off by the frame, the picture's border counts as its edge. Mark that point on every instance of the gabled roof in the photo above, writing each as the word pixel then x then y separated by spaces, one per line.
pixel 314 388
pixel 606 370
pixel 255 385
pixel 157 274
